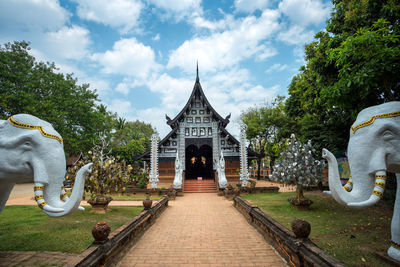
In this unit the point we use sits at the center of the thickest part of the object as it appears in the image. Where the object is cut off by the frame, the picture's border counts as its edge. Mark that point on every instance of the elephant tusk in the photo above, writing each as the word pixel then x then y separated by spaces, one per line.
pixel 377 193
pixel 38 190
pixel 64 197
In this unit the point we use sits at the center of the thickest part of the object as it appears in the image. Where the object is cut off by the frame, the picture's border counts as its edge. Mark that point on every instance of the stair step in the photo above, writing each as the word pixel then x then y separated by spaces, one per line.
pixel 202 186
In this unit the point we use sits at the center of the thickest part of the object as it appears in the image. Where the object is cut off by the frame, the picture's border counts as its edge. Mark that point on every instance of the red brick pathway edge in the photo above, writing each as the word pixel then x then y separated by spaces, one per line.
pixel 297 252
pixel 129 233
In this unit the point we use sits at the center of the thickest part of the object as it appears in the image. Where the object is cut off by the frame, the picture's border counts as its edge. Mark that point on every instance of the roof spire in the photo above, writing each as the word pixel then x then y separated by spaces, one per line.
pixel 197 72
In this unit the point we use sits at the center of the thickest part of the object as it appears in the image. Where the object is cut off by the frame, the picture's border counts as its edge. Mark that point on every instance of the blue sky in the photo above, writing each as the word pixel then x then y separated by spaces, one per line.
pixel 140 55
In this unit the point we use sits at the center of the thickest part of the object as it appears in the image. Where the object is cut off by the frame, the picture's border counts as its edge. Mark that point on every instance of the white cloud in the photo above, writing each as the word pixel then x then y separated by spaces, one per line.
pixel 178 9
pixel 296 35
pixel 29 15
pixel 156 38
pixel 69 43
pixel 277 67
pixel 123 88
pixel 128 57
pixel 121 14
pixel 249 6
pixel 305 12
pixel 121 106
pixel 222 50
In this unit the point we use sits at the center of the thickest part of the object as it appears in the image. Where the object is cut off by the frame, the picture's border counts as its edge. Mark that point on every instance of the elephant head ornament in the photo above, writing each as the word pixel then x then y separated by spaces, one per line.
pixel 373 150
pixel 31 150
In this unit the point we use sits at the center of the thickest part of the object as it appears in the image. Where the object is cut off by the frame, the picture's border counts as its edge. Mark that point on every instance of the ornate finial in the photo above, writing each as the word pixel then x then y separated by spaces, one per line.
pixel 197 72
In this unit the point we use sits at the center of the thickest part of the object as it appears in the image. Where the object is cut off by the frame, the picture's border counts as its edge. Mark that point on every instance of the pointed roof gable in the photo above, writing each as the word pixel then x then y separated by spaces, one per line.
pixel 197 92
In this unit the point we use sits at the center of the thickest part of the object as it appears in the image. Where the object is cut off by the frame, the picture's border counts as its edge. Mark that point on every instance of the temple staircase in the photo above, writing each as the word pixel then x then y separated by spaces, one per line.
pixel 204 186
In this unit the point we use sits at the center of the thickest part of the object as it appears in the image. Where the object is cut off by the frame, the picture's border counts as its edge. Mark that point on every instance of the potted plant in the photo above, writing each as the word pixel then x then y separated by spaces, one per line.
pixel 298 167
pixel 108 175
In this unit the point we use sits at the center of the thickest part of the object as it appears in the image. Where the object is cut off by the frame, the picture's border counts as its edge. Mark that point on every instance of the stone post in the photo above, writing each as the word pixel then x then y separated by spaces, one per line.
pixel 244 174
pixel 154 161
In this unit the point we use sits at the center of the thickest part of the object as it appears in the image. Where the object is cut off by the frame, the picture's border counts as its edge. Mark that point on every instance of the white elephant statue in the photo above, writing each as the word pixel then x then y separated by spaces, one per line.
pixel 178 173
pixel 220 166
pixel 31 150
pixel 373 150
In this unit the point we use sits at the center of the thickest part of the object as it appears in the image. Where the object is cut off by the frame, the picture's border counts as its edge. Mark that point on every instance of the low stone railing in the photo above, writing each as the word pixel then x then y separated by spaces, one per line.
pixel 296 251
pixel 122 238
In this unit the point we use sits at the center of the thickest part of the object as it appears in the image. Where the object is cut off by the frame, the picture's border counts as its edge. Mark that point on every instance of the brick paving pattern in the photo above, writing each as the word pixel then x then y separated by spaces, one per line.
pixel 201 230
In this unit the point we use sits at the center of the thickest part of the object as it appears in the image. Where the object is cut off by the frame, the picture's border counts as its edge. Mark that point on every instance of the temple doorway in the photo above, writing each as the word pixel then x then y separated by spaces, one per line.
pixel 199 162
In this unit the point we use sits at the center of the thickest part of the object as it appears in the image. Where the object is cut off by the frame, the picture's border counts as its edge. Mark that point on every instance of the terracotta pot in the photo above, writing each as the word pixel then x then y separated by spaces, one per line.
pixel 301 228
pixel 100 232
pixel 236 191
pixel 147 203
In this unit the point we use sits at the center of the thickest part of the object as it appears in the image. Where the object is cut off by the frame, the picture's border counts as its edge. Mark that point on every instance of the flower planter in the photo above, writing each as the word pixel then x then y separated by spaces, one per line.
pixel 99 203
pixel 300 204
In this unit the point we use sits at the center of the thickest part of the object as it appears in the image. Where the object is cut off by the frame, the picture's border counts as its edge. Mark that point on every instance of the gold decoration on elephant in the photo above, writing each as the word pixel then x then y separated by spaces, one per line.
pixel 377 193
pixel 63 195
pixel 32 127
pixel 42 204
pixel 372 119
pixel 38 188
pixel 395 245
pixel 380 176
pixel 347 189
pixel 380 184
pixel 37 197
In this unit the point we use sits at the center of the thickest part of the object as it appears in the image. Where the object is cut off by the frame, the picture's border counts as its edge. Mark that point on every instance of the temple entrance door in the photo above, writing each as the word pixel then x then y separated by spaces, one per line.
pixel 199 162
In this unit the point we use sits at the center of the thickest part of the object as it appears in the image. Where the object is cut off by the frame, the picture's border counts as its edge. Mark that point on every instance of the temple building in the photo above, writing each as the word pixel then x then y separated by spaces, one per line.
pixel 198 135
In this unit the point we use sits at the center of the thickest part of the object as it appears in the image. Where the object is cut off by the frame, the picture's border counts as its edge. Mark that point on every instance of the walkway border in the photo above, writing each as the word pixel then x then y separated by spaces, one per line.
pixel 122 238
pixel 297 252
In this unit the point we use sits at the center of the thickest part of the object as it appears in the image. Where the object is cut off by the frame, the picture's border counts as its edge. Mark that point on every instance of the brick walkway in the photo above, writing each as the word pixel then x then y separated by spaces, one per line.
pixel 201 230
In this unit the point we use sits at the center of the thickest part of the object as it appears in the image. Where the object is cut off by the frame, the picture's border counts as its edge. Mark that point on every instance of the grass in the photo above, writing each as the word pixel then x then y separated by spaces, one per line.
pixel 350 235
pixel 27 228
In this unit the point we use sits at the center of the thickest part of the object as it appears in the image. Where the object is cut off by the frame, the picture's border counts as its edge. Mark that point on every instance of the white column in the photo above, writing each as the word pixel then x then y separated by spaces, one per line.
pixel 244 174
pixel 154 161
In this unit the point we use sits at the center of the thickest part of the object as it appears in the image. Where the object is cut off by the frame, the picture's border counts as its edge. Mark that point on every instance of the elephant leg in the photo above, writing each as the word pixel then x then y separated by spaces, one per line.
pixel 394 250
pixel 5 190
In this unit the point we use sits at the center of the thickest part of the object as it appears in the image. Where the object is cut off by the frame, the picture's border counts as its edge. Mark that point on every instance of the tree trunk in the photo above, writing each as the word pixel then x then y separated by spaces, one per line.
pixel 299 192
pixel 259 168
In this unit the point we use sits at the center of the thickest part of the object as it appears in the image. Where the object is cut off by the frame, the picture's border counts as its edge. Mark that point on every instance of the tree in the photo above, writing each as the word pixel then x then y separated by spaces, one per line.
pixel 266 127
pixel 298 167
pixel 353 64
pixel 27 86
pixel 107 175
pixel 131 139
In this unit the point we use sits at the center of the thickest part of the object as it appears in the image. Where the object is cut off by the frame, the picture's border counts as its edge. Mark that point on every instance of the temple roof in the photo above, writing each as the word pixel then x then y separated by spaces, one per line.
pixel 197 91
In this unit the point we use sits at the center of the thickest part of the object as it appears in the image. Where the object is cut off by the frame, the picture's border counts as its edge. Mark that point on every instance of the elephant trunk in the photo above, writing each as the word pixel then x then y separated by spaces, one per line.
pixel 48 196
pixel 359 196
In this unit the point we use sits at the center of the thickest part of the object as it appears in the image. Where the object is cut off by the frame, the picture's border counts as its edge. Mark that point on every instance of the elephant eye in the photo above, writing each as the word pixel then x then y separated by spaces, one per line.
pixel 387 134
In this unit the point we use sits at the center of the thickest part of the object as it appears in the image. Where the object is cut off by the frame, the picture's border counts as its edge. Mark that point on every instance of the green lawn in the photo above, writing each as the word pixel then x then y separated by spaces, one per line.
pixel 27 228
pixel 350 235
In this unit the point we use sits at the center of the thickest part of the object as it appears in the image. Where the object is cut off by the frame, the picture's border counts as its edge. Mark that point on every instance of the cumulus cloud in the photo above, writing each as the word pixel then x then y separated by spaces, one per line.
pixel 225 49
pixel 277 67
pixel 28 15
pixel 120 14
pixel 296 35
pixel 71 42
pixel 128 57
pixel 121 106
pixel 249 6
pixel 122 88
pixel 305 12
pixel 177 9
